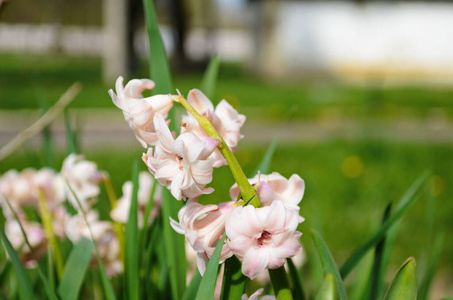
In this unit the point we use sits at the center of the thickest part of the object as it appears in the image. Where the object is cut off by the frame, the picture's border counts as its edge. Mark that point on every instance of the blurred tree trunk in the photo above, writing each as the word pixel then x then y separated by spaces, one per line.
pixel 178 14
pixel 134 21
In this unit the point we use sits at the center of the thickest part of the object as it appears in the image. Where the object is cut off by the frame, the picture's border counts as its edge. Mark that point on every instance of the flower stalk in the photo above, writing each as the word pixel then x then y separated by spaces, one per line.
pixel 247 190
pixel 49 231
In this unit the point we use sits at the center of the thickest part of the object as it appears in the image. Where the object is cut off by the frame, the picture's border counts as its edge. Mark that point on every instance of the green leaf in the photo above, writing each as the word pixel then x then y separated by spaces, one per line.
pixel 131 247
pixel 265 163
pixel 106 284
pixel 360 288
pixel 192 289
pixel 158 63
pixel 409 198
pixel 234 281
pixel 174 245
pixel 25 287
pixel 327 290
pixel 296 281
pixel 75 270
pixel 210 77
pixel 377 271
pixel 425 284
pixel 207 284
pixel 280 283
pixel 328 263
pixel 404 285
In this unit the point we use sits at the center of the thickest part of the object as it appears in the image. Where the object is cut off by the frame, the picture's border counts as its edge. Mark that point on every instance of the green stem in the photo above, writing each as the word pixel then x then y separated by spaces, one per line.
pixel 49 232
pixel 280 284
pixel 246 189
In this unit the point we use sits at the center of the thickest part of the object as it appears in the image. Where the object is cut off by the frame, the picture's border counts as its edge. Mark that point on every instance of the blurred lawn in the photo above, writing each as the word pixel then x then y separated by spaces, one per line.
pixel 27 79
pixel 348 183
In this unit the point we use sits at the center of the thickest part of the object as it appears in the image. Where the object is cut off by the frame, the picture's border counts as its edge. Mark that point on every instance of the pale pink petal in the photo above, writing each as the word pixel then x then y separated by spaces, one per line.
pixel 199 101
pixel 254 262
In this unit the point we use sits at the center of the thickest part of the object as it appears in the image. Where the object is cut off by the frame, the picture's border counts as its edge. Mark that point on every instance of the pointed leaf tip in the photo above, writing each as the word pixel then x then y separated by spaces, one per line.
pixel 404 284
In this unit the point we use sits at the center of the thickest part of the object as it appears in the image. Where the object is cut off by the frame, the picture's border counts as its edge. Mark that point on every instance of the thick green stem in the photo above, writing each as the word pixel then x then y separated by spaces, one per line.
pixel 247 190
pixel 280 284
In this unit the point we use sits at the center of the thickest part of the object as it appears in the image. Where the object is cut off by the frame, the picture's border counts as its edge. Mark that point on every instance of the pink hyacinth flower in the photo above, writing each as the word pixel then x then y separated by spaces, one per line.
pixel 181 164
pixel 262 238
pixel 225 119
pixel 83 177
pixel 203 226
pixel 138 111
pixel 276 187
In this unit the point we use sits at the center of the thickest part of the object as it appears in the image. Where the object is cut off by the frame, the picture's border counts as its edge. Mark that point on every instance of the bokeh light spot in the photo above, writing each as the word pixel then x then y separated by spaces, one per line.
pixel 436 185
pixel 352 167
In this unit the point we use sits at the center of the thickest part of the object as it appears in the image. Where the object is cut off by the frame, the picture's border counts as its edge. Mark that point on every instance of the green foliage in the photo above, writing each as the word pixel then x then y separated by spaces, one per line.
pixel 296 281
pixel 404 284
pixel 75 269
pixel 192 289
pixel 328 264
pixel 209 81
pixel 131 247
pixel 159 69
pixel 234 281
pixel 209 280
pixel 24 284
pixel 328 289
pixel 412 194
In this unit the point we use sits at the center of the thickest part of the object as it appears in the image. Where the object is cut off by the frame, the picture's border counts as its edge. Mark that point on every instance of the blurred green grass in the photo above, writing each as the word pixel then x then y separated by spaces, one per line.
pixel 24 79
pixel 348 183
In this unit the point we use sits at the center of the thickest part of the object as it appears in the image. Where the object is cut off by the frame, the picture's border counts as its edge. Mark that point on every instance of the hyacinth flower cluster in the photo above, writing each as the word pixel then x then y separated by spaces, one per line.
pixel 261 219
pixel 32 192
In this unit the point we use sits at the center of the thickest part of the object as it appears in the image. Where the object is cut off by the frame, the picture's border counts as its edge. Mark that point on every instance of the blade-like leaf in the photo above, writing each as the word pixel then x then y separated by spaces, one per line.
pixel 25 287
pixel 428 278
pixel 404 285
pixel 360 288
pixel 158 63
pixel 328 263
pixel 234 281
pixel 106 284
pixel 192 289
pixel 376 273
pixel 75 270
pixel 327 290
pixel 265 163
pixel 207 284
pixel 174 245
pixel 131 247
pixel 280 283
pixel 210 77
pixel 296 281
pixel 409 198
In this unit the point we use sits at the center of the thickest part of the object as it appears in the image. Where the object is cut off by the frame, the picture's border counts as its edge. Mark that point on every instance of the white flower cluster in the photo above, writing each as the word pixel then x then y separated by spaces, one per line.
pixel 261 238
pixel 184 164
pixel 22 190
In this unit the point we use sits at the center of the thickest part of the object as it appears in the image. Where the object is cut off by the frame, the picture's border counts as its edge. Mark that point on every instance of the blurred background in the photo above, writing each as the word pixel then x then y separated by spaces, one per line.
pixel 360 94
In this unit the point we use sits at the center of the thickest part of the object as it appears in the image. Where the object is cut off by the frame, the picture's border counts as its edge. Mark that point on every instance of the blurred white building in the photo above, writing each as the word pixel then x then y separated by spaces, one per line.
pixel 393 41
